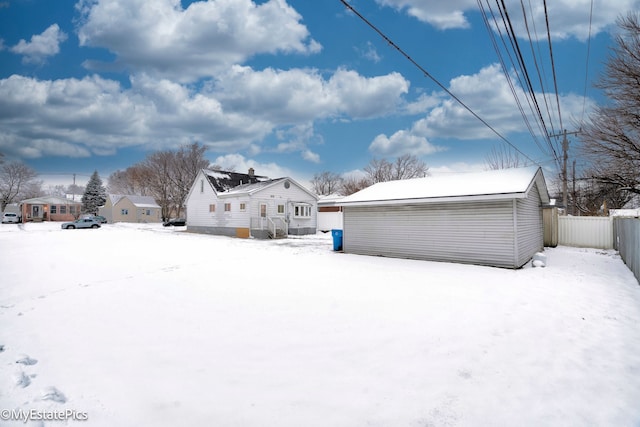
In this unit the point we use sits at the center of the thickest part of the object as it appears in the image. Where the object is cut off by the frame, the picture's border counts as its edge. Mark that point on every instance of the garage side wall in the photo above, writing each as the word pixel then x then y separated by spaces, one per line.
pixel 530 226
pixel 473 233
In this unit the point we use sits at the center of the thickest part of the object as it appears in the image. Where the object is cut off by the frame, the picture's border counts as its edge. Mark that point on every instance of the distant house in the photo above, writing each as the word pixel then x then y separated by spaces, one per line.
pixel 247 205
pixel 130 208
pixel 49 208
pixel 489 218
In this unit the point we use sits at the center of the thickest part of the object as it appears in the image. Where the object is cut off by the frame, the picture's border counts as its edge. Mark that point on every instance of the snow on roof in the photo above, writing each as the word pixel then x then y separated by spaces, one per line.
pixel 487 185
pixel 223 181
pixel 250 188
pixel 143 201
pixel 51 200
pixel 633 213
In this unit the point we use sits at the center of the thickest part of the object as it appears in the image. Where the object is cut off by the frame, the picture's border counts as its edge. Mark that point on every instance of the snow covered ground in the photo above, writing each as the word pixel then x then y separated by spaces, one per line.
pixel 140 325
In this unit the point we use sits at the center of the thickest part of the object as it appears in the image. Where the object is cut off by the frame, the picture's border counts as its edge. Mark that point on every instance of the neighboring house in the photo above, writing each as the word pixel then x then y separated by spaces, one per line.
pixel 49 208
pixel 489 218
pixel 246 205
pixel 329 213
pixel 129 208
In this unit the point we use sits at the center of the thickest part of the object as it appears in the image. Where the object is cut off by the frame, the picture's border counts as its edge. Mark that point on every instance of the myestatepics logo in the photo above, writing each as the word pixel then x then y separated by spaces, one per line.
pixel 38 415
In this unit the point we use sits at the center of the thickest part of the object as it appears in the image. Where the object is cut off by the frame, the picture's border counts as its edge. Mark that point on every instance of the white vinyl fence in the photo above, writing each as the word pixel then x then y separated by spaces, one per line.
pixel 585 232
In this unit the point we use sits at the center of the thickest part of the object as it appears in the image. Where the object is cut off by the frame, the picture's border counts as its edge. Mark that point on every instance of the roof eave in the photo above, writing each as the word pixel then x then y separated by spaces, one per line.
pixel 428 200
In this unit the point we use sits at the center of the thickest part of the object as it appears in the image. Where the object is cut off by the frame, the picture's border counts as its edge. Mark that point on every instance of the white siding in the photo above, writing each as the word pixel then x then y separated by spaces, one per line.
pixel 530 226
pixel 278 194
pixel 476 233
pixel 585 232
pixel 198 202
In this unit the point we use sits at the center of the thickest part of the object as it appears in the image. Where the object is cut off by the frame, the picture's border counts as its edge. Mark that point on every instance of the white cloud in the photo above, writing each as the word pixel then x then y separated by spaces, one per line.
pixel 441 14
pixel 567 18
pixel 237 113
pixel 297 95
pixel 41 46
pixel 163 39
pixel 488 94
pixel 238 163
pixel 402 142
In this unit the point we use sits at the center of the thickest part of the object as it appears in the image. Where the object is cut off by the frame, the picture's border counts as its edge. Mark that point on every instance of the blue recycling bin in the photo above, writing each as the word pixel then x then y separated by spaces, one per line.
pixel 337 239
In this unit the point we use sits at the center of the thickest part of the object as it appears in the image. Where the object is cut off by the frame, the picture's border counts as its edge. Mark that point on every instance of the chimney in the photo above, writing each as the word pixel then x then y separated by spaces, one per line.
pixel 251 172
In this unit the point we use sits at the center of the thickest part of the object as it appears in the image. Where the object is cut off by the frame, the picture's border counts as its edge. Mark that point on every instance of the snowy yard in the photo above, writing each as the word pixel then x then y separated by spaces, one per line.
pixel 140 325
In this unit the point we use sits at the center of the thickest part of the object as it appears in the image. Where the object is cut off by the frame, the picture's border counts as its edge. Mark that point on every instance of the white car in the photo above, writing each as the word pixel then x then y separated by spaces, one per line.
pixel 10 218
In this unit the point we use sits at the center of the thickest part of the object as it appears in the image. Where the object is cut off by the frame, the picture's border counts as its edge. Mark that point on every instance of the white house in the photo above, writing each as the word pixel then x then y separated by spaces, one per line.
pixel 246 205
pixel 488 218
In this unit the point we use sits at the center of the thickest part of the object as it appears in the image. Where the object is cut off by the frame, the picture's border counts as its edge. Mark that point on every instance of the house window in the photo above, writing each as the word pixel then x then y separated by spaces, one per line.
pixel 63 209
pixel 263 210
pixel 202 185
pixel 124 212
pixel 72 210
pixel 243 207
pixel 54 209
pixel 227 207
pixel 281 209
pixel 148 211
pixel 212 208
pixel 302 211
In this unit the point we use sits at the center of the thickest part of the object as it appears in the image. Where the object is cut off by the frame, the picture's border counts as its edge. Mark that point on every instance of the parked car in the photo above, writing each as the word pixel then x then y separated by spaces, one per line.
pixel 80 223
pixel 10 218
pixel 99 218
pixel 175 222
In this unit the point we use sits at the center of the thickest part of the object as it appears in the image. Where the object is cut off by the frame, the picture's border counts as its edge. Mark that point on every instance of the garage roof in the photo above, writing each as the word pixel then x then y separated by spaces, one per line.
pixel 488 185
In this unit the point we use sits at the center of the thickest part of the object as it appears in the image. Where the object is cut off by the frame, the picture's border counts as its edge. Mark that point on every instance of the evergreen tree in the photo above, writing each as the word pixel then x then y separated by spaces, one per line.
pixel 95 195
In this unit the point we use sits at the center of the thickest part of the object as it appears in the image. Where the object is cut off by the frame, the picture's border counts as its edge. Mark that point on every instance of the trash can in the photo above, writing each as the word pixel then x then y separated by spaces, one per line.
pixel 337 239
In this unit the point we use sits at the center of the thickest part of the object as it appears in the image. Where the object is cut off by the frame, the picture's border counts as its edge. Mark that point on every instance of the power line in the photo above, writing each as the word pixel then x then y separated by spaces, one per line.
pixel 427 74
pixel 506 72
pixel 553 67
pixel 586 73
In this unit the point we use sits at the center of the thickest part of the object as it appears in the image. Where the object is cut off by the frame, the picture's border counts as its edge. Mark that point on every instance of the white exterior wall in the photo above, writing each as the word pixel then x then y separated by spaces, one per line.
pixel 530 226
pixel 466 232
pixel 201 196
pixel 329 221
pixel 278 194
pixel 585 232
pixel 198 202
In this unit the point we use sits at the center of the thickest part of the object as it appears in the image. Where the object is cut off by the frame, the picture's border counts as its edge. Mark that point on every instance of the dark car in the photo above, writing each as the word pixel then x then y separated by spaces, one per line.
pixel 100 219
pixel 97 218
pixel 177 222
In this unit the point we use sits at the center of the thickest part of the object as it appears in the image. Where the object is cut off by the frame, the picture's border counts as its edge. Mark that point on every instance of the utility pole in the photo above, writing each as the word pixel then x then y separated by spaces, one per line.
pixel 565 156
pixel 573 193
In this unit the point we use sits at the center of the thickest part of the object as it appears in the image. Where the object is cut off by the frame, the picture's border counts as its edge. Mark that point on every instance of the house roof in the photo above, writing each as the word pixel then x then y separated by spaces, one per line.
pixel 488 185
pixel 50 200
pixel 257 186
pixel 138 201
pixel 222 181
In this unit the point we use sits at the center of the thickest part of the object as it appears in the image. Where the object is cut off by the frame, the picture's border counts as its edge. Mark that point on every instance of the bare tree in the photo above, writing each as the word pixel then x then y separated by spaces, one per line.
pixel 353 185
pixel 404 167
pixel 611 137
pixel 132 180
pixel 326 183
pixel 187 162
pixel 15 178
pixel 502 158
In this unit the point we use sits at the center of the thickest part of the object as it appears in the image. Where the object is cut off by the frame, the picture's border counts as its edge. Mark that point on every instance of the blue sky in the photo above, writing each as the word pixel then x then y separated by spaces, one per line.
pixel 290 88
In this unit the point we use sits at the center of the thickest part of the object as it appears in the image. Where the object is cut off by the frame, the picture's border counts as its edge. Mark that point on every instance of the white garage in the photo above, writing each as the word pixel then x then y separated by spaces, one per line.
pixel 489 218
